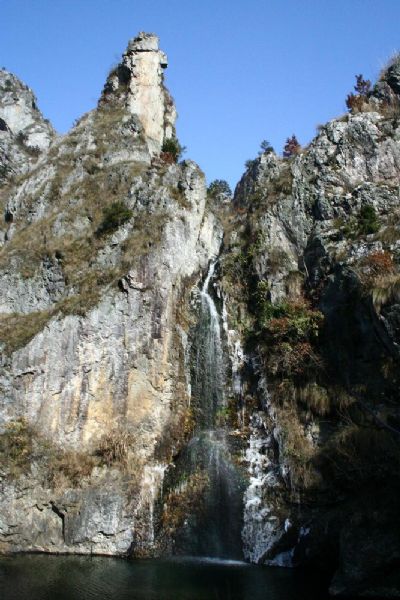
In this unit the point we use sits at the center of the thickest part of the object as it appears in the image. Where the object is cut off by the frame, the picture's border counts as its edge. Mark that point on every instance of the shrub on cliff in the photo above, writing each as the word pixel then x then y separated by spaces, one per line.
pixel 356 102
pixel 21 446
pixel 22 140
pixel 114 215
pixel 363 86
pixel 364 223
pixel 289 331
pixel 377 264
pixel 291 147
pixel 219 187
pixel 16 447
pixel 172 150
pixel 379 277
pixel 266 147
pixel 368 220
pixel 114 447
pixel 250 163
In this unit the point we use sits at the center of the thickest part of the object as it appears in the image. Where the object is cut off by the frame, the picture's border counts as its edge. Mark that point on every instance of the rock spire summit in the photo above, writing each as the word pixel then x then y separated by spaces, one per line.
pixel 138 82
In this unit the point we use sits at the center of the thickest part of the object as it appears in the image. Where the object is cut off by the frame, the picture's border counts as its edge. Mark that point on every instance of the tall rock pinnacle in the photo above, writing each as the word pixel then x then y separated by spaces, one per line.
pixel 138 82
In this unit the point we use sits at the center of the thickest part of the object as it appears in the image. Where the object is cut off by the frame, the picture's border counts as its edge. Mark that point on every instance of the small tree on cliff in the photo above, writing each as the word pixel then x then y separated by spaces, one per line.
pixel 219 187
pixel 292 147
pixel 363 86
pixel 172 150
pixel 266 147
pixel 355 102
pixel 114 215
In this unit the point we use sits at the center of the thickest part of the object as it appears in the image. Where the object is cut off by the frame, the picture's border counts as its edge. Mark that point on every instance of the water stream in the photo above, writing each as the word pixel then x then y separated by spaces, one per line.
pixel 214 529
pixel 208 377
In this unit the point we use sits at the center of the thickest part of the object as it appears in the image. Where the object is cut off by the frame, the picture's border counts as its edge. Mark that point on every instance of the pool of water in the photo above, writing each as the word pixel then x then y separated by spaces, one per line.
pixel 46 577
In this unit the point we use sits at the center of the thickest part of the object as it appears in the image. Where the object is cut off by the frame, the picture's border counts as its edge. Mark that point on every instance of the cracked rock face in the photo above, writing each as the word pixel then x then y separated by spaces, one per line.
pixel 94 316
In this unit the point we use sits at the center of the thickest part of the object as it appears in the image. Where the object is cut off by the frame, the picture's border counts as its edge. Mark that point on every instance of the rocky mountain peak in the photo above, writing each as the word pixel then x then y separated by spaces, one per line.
pixel 387 87
pixel 20 115
pixel 144 42
pixel 393 75
pixel 136 307
pixel 137 83
pixel 24 132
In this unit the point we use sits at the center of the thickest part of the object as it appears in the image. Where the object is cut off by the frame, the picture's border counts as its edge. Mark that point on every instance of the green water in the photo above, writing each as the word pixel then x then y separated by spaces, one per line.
pixel 44 577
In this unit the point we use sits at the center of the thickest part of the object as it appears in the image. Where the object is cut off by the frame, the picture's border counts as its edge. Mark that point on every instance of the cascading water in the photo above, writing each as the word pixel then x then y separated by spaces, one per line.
pixel 213 527
pixel 208 384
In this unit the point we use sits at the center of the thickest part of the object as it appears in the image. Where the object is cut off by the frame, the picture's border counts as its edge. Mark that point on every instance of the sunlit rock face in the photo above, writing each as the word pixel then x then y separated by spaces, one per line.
pixel 95 318
pixel 24 133
pixel 139 78
pixel 20 115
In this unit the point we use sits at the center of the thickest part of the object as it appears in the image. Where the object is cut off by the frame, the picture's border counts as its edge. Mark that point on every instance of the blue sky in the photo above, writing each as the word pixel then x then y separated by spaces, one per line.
pixel 240 71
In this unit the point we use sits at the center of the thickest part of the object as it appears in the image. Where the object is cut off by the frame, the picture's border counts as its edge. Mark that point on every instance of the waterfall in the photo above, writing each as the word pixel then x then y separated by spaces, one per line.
pixel 209 372
pixel 213 527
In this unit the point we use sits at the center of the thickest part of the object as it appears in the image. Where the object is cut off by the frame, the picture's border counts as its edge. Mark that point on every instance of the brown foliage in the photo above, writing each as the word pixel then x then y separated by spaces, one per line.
pixel 289 333
pixel 294 359
pixel 359 101
pixel 68 468
pixel 380 278
pixel 21 446
pixel 168 158
pixel 114 447
pixel 297 449
pixel 291 147
pixel 378 263
pixel 16 446
pixel 355 103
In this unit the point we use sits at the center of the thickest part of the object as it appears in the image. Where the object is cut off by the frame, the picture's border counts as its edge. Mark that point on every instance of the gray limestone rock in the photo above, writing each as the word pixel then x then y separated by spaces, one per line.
pixel 102 315
pixel 309 229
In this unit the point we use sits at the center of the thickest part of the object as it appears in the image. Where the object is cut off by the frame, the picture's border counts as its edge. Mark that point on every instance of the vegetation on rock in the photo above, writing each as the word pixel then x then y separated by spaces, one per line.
pixel 219 187
pixel 22 448
pixel 266 147
pixel 356 102
pixel 288 336
pixel 114 216
pixel 368 220
pixel 172 150
pixel 291 147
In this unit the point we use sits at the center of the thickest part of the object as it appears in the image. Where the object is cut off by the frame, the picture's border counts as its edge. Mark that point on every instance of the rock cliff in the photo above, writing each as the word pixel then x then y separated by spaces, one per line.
pixel 310 277
pixel 102 244
pixel 137 82
pixel 110 442
pixel 24 133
